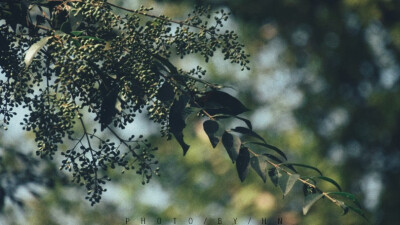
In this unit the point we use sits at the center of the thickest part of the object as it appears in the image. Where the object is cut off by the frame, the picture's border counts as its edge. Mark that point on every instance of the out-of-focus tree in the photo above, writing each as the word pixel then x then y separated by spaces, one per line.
pixel 260 18
pixel 344 59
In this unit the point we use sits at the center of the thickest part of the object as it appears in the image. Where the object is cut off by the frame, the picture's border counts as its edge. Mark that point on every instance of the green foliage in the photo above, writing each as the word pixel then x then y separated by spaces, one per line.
pixel 83 59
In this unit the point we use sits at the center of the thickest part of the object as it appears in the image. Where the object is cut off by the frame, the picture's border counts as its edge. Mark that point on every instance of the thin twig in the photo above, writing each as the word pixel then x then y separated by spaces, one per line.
pixel 154 16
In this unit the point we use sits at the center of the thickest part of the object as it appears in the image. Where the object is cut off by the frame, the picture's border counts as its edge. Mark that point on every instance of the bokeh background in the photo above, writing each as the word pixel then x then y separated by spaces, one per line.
pixel 323 86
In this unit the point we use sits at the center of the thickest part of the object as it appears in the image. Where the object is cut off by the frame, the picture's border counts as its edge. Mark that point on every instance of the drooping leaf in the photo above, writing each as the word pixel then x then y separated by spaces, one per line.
pixel 218 102
pixel 188 111
pixel 246 121
pixel 247 131
pixel 272 157
pixel 286 182
pixel 177 122
pixel 211 127
pixel 108 102
pixel 260 167
pixel 331 181
pixel 302 165
pixel 166 93
pixel 358 211
pixel 2 198
pixel 309 200
pixel 232 145
pixel 33 50
pixel 66 27
pixel 242 163
pixel 274 175
pixel 347 195
pixel 40 19
pixel 277 150
pixel 225 116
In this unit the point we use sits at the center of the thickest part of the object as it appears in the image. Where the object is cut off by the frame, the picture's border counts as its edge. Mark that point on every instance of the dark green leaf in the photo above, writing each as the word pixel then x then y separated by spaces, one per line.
pixel 347 195
pixel 358 211
pixel 232 145
pixel 40 20
pixel 274 175
pixel 2 198
pixel 247 131
pixel 286 182
pixel 272 157
pixel 259 167
pixel 166 93
pixel 76 33
pixel 242 163
pixel 270 147
pixel 76 42
pixel 66 27
pixel 108 101
pixel 218 102
pixel 246 121
pixel 92 38
pixel 331 181
pixel 225 116
pixel 177 122
pixel 309 200
pixel 211 127
pixel 302 165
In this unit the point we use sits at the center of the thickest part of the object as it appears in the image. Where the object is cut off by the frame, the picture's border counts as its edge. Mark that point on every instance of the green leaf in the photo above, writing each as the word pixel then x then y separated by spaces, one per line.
pixel 286 182
pixel 358 211
pixel 242 163
pixel 277 150
pixel 33 50
pixel 309 200
pixel 177 122
pixel 274 175
pixel 302 165
pixel 92 38
pixel 347 195
pixel 259 167
pixel 246 121
pixel 272 157
pixel 232 145
pixel 211 127
pixel 2 198
pixel 218 102
pixel 40 19
pixel 247 131
pixel 225 116
pixel 166 93
pixel 330 180
pixel 76 33
pixel 66 27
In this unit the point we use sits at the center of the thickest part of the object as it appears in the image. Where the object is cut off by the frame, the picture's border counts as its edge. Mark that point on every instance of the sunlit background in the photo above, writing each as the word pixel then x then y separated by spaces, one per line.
pixel 323 86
